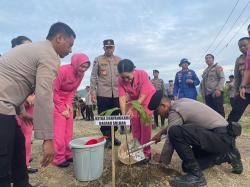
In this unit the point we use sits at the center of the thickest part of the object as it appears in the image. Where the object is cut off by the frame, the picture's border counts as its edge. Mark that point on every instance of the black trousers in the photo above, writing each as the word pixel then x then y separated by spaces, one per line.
pixel 156 119
pixel 198 147
pixel 89 112
pixel 105 103
pixel 239 107
pixel 216 103
pixel 12 153
pixel 82 111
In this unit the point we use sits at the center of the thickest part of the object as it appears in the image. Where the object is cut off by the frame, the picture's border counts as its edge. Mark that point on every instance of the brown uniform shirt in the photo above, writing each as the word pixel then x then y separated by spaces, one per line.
pixel 212 79
pixel 26 69
pixel 104 76
pixel 159 85
pixel 188 112
pixel 239 69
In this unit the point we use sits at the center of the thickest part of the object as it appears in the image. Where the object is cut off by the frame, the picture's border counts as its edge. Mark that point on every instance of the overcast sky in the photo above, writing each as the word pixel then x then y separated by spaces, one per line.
pixel 154 34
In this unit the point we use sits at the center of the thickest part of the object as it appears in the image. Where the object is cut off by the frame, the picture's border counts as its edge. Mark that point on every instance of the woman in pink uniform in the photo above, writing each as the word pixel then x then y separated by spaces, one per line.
pixel 27 128
pixel 65 87
pixel 135 85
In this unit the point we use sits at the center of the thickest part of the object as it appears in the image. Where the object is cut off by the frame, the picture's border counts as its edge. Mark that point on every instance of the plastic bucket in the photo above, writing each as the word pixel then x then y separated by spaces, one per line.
pixel 87 159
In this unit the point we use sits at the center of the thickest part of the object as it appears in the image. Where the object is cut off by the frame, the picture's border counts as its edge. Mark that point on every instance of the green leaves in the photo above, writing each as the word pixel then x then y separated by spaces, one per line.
pixel 143 114
pixel 109 112
pixel 145 118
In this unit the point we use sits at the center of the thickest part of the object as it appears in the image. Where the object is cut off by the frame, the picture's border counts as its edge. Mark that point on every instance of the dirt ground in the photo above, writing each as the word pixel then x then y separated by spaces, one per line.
pixel 139 174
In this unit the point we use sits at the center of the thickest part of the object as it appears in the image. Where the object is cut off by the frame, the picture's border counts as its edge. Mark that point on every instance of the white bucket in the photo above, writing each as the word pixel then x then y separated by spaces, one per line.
pixel 87 159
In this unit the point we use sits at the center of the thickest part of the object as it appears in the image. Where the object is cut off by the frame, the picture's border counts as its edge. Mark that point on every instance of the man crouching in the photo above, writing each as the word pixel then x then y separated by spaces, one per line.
pixel 200 136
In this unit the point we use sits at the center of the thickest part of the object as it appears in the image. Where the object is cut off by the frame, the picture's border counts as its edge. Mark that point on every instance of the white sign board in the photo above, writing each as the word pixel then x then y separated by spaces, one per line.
pixel 112 120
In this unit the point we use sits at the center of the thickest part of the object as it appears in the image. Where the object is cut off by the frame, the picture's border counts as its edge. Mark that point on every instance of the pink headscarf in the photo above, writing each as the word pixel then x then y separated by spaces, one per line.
pixel 77 60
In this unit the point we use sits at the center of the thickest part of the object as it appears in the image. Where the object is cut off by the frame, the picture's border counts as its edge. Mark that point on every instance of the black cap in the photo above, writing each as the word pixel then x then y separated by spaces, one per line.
pixel 108 43
pixel 170 81
pixel 155 71
pixel 155 101
pixel 231 77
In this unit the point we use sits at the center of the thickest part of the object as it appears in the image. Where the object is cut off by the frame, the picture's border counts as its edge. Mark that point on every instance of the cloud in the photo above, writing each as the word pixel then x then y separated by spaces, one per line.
pixel 151 33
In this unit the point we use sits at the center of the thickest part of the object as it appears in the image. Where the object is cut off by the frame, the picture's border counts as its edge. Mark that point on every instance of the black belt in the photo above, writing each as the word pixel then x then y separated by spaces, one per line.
pixel 220 130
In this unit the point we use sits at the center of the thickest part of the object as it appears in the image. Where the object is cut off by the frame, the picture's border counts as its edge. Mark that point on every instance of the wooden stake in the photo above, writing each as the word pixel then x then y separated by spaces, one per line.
pixel 113 156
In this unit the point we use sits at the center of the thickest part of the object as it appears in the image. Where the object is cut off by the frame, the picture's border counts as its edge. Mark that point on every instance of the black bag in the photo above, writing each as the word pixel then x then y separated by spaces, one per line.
pixel 234 129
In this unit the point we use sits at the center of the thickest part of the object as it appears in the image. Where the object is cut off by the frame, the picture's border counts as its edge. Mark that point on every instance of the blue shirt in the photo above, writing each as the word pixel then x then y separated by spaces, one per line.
pixel 183 89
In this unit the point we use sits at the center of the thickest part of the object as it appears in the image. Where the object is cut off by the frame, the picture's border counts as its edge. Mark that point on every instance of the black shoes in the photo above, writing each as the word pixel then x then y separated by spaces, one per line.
pixel 234 159
pixel 31 170
pixel 70 160
pixel 189 180
pixel 63 164
pixel 108 143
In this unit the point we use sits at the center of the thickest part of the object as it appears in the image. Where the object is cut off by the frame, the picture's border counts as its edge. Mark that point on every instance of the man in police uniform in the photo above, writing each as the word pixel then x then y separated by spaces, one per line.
pixel 212 85
pixel 104 84
pixel 201 141
pixel 159 86
pixel 240 103
pixel 231 89
pixel 185 82
pixel 170 90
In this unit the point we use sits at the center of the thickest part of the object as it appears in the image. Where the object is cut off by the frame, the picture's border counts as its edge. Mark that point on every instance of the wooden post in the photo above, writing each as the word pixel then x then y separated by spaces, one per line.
pixel 113 156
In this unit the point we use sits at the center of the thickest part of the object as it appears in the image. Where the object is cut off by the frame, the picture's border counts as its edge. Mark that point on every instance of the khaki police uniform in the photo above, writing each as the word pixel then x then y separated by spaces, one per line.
pixel 213 79
pixel 198 139
pixel 239 103
pixel 104 82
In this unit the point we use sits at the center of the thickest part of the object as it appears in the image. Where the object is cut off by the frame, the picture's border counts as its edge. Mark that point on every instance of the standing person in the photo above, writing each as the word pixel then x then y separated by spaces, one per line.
pixel 104 85
pixel 65 86
pixel 185 82
pixel 159 86
pixel 241 101
pixel 26 127
pixel 212 85
pixel 89 106
pixel 20 40
pixel 82 106
pixel 24 70
pixel 231 89
pixel 170 90
pixel 246 77
pixel 201 141
pixel 135 85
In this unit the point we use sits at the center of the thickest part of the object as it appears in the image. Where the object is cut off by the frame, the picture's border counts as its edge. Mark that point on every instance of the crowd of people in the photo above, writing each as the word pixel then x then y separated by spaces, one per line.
pixel 38 94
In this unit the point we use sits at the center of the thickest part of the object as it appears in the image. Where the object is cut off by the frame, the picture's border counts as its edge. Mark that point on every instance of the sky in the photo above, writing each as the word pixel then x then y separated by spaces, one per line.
pixel 153 34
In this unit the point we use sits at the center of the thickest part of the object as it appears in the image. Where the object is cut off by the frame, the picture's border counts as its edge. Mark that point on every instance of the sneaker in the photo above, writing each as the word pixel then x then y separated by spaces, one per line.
pixel 63 164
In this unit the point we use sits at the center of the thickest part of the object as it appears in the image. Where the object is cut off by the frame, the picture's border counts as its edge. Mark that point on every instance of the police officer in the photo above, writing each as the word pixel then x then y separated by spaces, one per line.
pixel 159 86
pixel 240 103
pixel 201 141
pixel 231 89
pixel 104 84
pixel 170 90
pixel 212 85
pixel 185 82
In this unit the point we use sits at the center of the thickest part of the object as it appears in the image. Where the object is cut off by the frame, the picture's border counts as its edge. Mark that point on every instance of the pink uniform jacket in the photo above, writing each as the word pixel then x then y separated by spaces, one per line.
pixel 67 82
pixel 65 87
pixel 141 86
